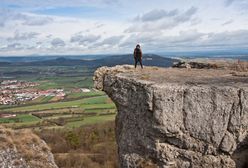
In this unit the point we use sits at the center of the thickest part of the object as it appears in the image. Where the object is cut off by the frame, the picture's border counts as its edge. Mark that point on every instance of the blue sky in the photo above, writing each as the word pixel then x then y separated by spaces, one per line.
pixel 51 27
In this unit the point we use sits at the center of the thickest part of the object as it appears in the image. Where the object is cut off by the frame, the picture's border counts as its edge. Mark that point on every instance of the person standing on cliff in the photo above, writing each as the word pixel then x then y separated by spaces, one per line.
pixel 137 54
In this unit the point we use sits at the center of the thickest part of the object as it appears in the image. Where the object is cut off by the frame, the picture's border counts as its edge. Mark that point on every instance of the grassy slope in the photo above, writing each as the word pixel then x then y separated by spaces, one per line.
pixel 49 77
pixel 65 83
pixel 91 120
pixel 86 103
pixel 82 95
pixel 93 105
pixel 20 118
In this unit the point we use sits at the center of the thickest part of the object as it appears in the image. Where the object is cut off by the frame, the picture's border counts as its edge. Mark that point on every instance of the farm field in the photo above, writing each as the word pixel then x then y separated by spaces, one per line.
pixel 50 77
pixel 85 103
pixel 22 118
pixel 64 120
pixel 91 110
pixel 76 109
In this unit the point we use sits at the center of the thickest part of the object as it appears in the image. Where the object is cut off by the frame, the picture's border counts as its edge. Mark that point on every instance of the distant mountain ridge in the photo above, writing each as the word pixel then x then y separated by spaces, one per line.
pixel 44 58
pixel 148 60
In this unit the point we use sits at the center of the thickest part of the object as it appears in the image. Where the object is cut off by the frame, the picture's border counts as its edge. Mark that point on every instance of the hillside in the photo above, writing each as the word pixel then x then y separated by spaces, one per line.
pixel 149 60
pixel 178 118
pixel 23 149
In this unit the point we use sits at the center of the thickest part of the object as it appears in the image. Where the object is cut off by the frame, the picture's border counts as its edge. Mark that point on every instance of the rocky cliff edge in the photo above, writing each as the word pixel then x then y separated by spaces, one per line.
pixel 178 118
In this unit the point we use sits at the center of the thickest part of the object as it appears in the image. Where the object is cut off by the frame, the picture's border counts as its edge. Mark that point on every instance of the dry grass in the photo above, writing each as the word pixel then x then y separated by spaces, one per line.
pixel 237 66
pixel 239 74
pixel 234 65
pixel 88 146
pixel 74 160
pixel 147 164
pixel 145 77
pixel 241 66
pixel 5 138
pixel 29 146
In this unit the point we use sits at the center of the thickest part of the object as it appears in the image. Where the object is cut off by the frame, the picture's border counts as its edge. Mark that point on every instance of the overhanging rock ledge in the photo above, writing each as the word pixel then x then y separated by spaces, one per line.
pixel 178 118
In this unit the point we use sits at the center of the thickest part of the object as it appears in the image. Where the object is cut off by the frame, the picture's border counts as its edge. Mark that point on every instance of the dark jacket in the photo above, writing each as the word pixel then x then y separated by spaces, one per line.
pixel 137 53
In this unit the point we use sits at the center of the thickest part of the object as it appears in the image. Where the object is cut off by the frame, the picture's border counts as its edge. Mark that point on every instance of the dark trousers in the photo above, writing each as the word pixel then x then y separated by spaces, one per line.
pixel 138 60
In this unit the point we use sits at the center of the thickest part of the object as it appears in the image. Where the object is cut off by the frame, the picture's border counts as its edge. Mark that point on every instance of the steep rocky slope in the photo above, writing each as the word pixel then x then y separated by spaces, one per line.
pixel 178 118
pixel 23 149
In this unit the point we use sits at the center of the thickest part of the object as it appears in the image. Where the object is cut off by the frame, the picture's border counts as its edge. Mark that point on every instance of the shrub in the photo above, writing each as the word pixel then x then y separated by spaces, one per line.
pixel 87 146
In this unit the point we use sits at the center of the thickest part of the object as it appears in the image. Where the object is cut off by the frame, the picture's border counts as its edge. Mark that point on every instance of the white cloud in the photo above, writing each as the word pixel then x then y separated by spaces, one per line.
pixel 84 39
pixel 37 21
pixel 113 40
pixel 157 25
pixel 58 3
pixel 186 16
pixel 7 15
pixel 229 2
pixel 240 4
pixel 156 14
pixel 23 36
pixel 186 40
pixel 157 20
pixel 57 42
pixel 12 46
pixel 227 22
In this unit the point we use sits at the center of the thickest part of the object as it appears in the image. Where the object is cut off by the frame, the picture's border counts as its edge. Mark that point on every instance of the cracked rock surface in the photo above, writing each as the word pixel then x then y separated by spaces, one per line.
pixel 178 118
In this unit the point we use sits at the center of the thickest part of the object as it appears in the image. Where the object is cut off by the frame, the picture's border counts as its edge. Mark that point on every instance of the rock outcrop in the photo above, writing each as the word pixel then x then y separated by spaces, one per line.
pixel 197 65
pixel 23 149
pixel 178 118
pixel 234 65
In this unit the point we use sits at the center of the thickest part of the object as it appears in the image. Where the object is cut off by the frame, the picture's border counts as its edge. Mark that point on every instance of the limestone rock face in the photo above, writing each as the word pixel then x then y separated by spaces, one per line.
pixel 177 118
pixel 23 149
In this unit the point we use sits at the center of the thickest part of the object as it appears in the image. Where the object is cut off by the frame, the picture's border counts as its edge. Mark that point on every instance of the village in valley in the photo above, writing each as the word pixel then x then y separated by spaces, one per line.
pixel 14 92
pixel 23 104
pixel 18 92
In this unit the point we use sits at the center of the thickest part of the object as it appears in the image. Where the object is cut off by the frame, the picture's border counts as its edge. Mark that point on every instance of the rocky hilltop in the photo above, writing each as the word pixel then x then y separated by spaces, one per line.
pixel 178 118
pixel 23 149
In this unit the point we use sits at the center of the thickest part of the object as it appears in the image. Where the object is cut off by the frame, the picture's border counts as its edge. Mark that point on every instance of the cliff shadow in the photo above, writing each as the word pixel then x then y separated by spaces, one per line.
pixel 240 155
